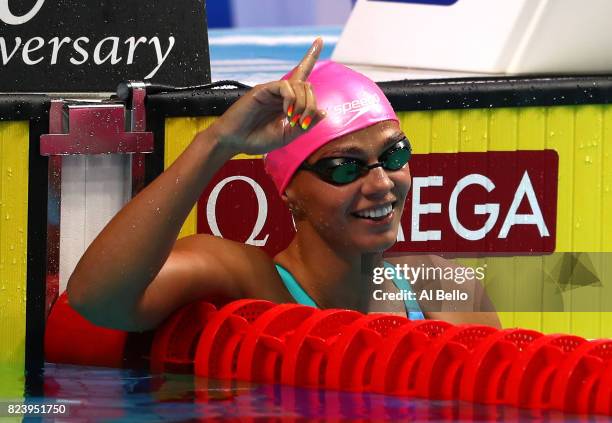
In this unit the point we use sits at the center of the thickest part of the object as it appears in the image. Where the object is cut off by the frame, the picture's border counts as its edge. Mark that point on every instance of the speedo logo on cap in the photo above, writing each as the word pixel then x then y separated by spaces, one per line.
pixel 356 107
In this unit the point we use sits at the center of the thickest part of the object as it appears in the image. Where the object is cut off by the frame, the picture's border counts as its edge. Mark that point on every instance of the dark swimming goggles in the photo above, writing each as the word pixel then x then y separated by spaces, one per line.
pixel 342 171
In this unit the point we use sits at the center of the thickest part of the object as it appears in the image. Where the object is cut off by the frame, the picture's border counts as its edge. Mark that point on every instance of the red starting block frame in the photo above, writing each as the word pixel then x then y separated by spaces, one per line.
pixel 97 346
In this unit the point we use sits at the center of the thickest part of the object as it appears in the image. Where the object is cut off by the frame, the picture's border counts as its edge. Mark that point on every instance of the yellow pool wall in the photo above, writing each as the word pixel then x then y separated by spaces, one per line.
pixel 582 137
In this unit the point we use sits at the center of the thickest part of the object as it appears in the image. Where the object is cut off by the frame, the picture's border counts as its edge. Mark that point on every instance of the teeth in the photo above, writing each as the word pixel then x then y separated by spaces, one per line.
pixel 376 212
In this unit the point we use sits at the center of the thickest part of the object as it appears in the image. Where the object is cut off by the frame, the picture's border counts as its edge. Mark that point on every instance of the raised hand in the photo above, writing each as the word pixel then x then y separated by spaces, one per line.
pixel 273 114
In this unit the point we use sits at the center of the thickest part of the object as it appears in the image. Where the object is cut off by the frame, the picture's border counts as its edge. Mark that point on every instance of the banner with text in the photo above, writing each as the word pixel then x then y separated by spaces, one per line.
pixel 76 46
pixel 489 202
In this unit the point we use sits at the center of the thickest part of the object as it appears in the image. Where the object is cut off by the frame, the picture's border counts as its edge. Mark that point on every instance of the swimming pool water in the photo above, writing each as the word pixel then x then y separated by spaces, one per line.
pixel 256 55
pixel 103 394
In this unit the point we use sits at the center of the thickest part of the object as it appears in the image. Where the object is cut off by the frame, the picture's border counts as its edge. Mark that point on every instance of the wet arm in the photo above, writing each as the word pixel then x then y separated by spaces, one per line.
pixel 135 272
pixel 111 277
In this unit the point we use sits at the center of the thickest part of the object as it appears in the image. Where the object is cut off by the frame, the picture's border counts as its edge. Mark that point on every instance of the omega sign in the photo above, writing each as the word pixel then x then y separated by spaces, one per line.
pixel 497 202
pixel 68 46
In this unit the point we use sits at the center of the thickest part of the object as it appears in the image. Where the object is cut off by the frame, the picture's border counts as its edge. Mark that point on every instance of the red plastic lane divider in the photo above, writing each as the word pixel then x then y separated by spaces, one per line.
pixel 487 366
pixel 396 362
pixel 440 369
pixel 173 347
pixel 576 380
pixel 352 354
pixel 264 346
pixel 530 378
pixel 217 351
pixel 306 357
pixel 603 398
pixel 256 340
pixel 70 338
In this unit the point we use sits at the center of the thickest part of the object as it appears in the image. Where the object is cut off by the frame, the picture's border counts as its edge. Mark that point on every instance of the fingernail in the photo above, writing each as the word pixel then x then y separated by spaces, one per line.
pixel 294 120
pixel 306 122
pixel 290 110
pixel 315 45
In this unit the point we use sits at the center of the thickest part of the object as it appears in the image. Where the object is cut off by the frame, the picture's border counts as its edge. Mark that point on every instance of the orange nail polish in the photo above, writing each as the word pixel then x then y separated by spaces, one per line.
pixel 290 110
pixel 306 122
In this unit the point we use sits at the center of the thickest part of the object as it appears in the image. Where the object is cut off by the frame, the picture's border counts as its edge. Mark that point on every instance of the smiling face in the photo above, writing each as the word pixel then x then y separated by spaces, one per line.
pixel 363 215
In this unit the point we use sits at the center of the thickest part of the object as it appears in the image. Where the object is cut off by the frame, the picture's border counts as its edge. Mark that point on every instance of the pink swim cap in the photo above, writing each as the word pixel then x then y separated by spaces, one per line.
pixel 352 102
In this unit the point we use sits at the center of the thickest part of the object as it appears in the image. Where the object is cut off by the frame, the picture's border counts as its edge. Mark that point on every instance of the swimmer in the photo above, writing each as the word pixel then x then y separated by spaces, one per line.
pixel 339 160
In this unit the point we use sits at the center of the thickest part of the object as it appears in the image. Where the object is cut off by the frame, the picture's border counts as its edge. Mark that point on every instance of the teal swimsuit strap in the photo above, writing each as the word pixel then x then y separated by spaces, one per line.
pixel 294 288
pixel 301 297
pixel 413 310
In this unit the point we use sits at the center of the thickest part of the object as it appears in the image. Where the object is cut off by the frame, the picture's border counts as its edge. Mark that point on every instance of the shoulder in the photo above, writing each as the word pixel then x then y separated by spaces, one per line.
pixel 250 269
pixel 224 250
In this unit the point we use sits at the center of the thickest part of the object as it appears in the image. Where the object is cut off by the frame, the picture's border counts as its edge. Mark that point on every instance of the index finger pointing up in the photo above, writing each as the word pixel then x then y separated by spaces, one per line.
pixel 303 69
